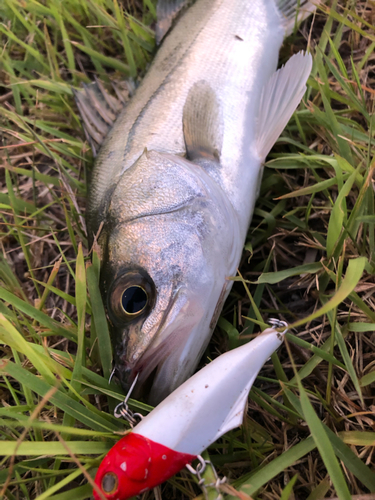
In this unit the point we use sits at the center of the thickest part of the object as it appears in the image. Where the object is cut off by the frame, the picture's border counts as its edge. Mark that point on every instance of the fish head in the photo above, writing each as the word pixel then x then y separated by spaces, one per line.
pixel 151 316
pixel 163 272
pixel 155 302
pixel 134 465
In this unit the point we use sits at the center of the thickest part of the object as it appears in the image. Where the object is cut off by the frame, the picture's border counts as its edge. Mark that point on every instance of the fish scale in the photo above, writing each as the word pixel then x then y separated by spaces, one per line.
pixel 153 118
pixel 175 182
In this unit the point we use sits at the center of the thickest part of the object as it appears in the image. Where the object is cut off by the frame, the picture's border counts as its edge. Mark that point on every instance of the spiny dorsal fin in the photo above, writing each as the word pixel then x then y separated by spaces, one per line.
pixel 202 123
pixel 98 110
pixel 280 98
pixel 166 12
pixel 295 11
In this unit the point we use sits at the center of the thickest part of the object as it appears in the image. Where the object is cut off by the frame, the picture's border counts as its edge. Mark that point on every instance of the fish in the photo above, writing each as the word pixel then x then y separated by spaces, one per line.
pixel 182 426
pixel 175 181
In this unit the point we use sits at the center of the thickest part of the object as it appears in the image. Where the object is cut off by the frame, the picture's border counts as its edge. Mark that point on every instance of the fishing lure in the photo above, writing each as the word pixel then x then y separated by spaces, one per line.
pixel 179 429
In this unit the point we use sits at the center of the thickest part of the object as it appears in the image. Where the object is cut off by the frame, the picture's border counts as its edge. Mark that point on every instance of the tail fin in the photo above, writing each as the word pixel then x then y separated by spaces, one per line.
pixel 295 11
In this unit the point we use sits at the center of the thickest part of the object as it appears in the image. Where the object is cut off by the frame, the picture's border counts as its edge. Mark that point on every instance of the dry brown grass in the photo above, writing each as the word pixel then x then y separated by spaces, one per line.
pixel 46 161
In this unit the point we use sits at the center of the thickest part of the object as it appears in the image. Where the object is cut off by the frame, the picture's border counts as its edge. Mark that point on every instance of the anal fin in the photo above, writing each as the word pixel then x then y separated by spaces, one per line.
pixel 99 110
pixel 280 98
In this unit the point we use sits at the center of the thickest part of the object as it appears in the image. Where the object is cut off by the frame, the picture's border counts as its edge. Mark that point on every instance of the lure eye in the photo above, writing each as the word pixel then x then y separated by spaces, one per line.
pixel 109 483
pixel 134 300
pixel 131 297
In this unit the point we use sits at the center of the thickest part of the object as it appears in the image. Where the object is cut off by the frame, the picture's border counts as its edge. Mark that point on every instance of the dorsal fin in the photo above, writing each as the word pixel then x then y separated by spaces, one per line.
pixel 202 123
pixel 167 11
pixel 99 109
pixel 295 11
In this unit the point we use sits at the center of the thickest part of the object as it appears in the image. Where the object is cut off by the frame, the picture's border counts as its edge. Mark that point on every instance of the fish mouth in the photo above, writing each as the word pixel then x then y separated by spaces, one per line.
pixel 155 356
pixel 149 367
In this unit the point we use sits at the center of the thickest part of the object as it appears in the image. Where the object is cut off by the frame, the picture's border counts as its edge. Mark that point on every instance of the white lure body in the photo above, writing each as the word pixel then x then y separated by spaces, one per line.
pixel 212 401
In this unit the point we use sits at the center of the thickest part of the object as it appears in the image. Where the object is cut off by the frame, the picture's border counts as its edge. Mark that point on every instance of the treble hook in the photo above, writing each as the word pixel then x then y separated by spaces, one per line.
pixel 112 373
pixel 278 323
pixel 122 409
pixel 198 471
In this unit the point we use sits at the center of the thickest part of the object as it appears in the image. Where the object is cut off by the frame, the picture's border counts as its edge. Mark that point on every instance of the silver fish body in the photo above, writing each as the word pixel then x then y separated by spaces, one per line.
pixel 175 184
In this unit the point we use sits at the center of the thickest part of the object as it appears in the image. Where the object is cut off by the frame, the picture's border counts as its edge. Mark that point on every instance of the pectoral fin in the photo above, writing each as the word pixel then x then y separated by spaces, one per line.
pixel 202 123
pixel 280 98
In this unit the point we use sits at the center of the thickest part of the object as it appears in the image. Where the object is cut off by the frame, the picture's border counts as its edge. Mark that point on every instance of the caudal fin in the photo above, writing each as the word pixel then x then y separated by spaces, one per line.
pixel 281 96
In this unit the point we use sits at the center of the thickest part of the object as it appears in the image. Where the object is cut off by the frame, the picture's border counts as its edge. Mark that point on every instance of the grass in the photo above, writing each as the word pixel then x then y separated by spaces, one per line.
pixel 309 259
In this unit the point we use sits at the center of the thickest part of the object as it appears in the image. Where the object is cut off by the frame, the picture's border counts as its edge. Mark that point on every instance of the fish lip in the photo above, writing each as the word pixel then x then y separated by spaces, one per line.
pixel 146 367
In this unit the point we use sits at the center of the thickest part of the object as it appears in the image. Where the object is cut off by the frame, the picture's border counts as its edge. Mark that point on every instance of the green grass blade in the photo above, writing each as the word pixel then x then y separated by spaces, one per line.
pixel 352 276
pixel 110 62
pixel 61 400
pixel 276 277
pixel 288 490
pixel 81 298
pixel 53 448
pixel 100 321
pixel 37 315
pixel 250 483
pixel 79 493
pixel 324 446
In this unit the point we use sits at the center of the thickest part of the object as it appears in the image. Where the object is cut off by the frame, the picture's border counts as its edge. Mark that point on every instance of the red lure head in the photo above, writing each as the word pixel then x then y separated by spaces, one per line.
pixel 136 464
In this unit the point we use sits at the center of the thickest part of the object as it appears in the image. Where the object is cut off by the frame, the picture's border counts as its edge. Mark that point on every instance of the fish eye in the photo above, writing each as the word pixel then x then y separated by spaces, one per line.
pixel 134 299
pixel 131 296
pixel 109 483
